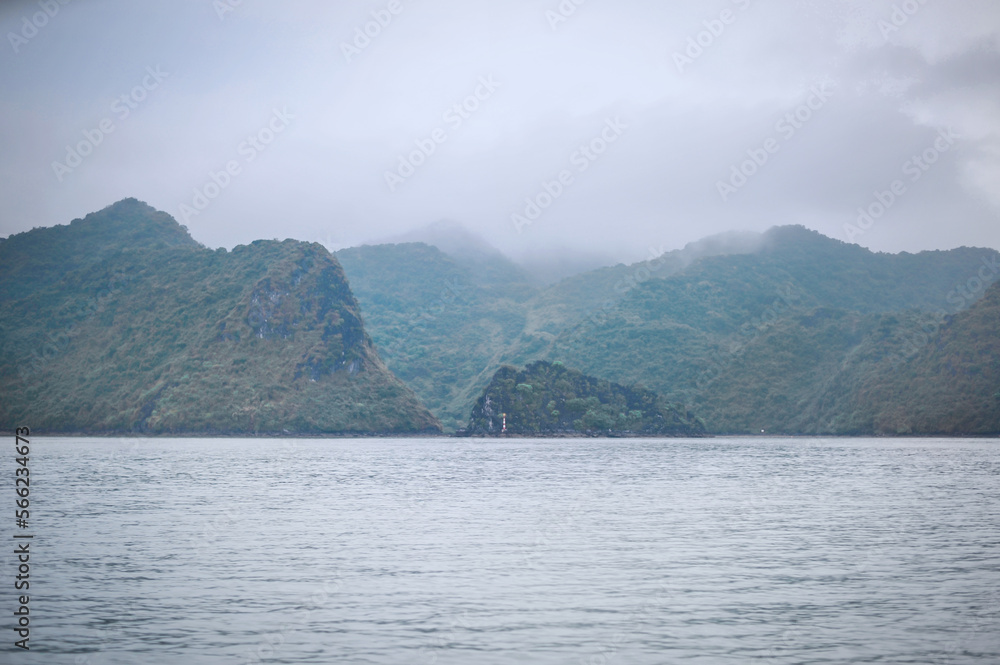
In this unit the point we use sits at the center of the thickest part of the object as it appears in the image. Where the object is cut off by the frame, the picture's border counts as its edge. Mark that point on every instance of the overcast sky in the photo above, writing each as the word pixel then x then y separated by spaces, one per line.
pixel 671 101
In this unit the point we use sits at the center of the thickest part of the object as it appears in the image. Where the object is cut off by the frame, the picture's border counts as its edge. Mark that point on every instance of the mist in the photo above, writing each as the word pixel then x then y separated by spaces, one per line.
pixel 573 134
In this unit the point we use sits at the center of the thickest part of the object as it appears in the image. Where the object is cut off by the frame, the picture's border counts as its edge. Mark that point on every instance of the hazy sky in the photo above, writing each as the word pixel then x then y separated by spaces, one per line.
pixel 626 123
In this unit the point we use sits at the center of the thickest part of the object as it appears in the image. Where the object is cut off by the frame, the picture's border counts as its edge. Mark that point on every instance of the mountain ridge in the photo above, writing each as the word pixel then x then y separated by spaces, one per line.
pixel 174 338
pixel 675 324
pixel 120 321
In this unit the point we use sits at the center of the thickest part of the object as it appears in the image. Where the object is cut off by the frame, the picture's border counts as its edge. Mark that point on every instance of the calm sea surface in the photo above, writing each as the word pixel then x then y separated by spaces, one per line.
pixel 440 551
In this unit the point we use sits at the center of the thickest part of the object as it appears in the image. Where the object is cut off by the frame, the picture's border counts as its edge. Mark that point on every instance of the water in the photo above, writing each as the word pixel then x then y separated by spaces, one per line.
pixel 440 551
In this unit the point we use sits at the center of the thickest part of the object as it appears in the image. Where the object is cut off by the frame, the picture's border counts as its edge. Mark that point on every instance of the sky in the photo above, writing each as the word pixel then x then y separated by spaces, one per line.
pixel 549 127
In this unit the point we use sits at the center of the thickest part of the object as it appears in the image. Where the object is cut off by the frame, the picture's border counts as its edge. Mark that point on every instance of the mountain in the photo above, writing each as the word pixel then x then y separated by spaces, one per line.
pixel 445 325
pixel 775 331
pixel 777 340
pixel 546 399
pixel 120 322
pixel 944 383
pixel 141 329
pixel 44 256
pixel 441 327
pixel 590 294
pixel 487 264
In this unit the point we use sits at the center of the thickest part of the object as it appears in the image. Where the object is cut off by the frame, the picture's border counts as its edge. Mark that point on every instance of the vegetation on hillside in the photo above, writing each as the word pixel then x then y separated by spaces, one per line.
pixel 159 336
pixel 441 327
pixel 120 322
pixel 546 399
pixel 779 338
pixel 43 256
pixel 947 381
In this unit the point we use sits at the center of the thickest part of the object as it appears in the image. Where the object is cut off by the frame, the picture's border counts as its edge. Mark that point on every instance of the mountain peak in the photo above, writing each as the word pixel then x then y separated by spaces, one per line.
pixel 267 338
pixel 451 237
pixel 132 222
pixel 466 248
pixel 42 256
pixel 795 235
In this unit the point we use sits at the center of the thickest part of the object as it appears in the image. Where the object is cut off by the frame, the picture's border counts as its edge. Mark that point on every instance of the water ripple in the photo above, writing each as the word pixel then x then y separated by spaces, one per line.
pixel 431 552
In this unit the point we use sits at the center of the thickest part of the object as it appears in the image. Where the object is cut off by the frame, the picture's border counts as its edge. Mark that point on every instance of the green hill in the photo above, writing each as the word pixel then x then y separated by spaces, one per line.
pixel 445 322
pixel 442 327
pixel 779 340
pixel 547 399
pixel 945 383
pixel 775 332
pixel 42 257
pixel 150 332
pixel 121 322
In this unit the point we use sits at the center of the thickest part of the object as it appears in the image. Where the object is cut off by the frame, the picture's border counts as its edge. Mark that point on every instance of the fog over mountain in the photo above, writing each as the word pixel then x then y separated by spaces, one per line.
pixel 586 131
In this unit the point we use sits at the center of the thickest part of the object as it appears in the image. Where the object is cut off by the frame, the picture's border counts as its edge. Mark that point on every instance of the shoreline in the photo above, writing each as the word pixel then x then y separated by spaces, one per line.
pixel 439 435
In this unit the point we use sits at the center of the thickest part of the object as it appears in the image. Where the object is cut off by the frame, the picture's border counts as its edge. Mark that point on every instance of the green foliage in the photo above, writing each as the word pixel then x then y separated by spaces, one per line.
pixel 442 327
pixel 42 257
pixel 121 322
pixel 159 336
pixel 943 381
pixel 780 338
pixel 549 399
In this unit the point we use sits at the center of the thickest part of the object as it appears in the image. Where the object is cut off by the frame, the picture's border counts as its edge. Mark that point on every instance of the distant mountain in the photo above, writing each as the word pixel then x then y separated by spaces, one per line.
pixel 440 327
pixel 445 326
pixel 945 382
pixel 779 340
pixel 590 294
pixel 451 237
pixel 775 331
pixel 120 323
pixel 800 374
pixel 547 399
pixel 487 265
pixel 903 373
pixel 469 249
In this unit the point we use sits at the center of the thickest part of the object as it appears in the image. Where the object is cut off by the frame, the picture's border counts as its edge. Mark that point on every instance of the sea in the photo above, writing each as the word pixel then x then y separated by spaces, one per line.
pixel 435 551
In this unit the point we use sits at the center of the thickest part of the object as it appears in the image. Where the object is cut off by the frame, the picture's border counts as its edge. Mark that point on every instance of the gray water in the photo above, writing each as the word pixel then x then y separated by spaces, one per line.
pixel 445 551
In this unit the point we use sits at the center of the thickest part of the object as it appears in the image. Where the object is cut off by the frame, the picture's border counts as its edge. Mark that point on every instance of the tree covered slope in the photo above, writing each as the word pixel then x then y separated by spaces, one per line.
pixel 154 333
pixel 775 333
pixel 547 399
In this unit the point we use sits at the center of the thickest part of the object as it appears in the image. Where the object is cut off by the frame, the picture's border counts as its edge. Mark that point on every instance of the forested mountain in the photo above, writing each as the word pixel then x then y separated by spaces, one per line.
pixel 946 383
pixel 774 333
pixel 546 399
pixel 441 327
pixel 44 256
pixel 119 322
pixel 445 323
